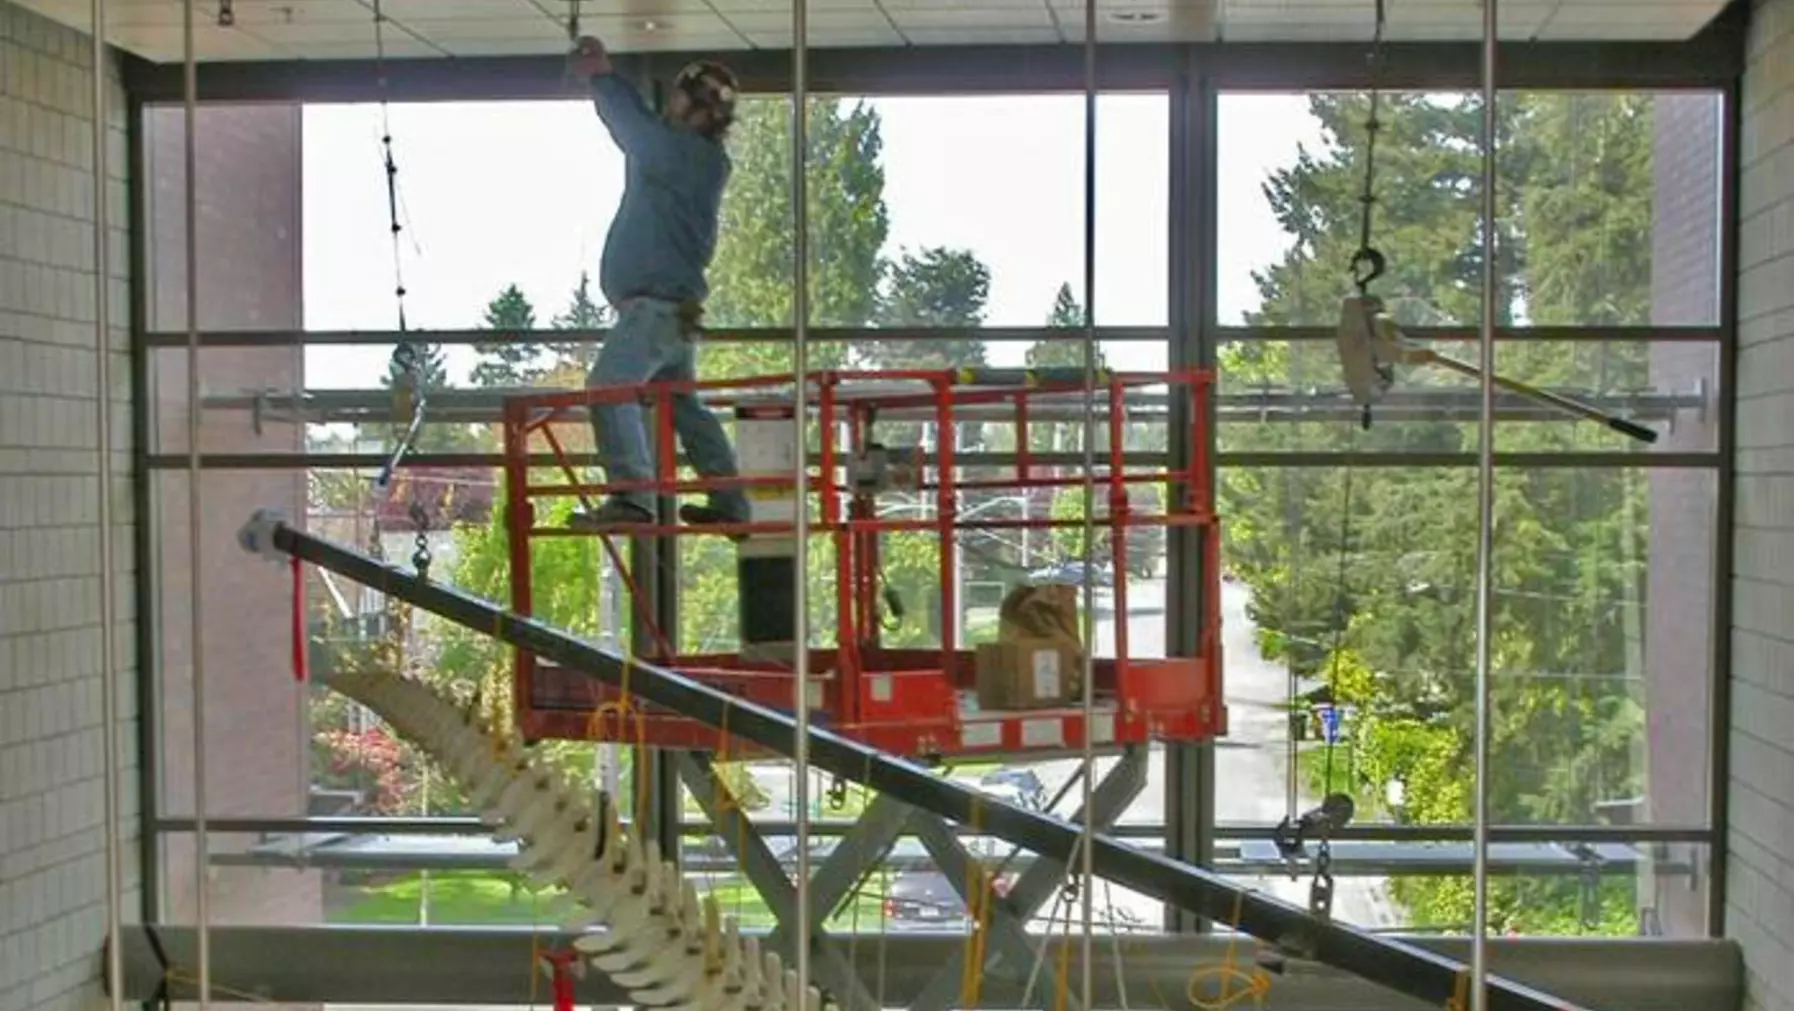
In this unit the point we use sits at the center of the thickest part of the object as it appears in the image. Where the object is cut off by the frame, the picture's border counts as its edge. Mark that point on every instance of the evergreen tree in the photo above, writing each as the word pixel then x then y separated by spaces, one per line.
pixel 1061 351
pixel 513 361
pixel 751 276
pixel 582 313
pixel 1067 350
pixel 937 288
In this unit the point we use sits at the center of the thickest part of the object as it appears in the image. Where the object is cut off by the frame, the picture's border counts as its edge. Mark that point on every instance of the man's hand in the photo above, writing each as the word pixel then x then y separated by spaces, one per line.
pixel 589 58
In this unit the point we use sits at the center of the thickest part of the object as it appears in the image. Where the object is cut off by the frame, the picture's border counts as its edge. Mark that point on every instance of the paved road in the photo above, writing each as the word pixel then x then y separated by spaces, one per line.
pixel 1252 767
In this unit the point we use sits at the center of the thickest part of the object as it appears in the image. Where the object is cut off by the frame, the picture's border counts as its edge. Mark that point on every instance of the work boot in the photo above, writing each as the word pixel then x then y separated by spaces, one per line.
pixel 615 512
pixel 709 515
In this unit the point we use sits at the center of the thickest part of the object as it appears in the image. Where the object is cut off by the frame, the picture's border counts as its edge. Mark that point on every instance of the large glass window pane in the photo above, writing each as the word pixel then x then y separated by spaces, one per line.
pixel 1601 666
pixel 1608 206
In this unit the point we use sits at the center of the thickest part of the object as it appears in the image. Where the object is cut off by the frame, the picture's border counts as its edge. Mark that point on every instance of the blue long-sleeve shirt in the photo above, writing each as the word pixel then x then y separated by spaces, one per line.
pixel 664 234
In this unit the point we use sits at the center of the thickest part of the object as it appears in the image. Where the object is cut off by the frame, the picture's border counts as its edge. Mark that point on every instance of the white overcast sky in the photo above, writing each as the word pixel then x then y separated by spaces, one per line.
pixel 522 192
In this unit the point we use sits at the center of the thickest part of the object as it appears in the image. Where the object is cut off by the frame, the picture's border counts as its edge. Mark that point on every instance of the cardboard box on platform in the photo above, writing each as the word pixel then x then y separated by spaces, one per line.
pixel 1028 674
pixel 1037 661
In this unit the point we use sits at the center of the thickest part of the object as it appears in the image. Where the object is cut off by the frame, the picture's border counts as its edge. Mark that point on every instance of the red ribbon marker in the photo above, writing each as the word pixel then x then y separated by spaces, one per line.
pixel 561 963
pixel 299 642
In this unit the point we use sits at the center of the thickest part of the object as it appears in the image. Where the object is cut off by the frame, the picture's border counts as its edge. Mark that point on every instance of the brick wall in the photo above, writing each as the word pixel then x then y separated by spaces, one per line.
pixel 1760 869
pixel 52 802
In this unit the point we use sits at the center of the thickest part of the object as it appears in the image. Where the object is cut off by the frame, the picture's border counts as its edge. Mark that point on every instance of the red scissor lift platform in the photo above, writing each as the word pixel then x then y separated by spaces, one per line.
pixel 909 701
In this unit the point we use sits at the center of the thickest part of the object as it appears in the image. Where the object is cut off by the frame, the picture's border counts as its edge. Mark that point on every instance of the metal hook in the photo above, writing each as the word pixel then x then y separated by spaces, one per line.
pixel 1367 265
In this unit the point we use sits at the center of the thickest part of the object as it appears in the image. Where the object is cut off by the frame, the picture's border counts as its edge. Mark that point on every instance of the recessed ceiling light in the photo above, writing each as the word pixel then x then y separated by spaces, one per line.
pixel 650 25
pixel 1137 17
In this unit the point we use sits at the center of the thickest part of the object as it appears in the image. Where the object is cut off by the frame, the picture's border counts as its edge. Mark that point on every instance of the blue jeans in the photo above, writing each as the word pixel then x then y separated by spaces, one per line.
pixel 651 342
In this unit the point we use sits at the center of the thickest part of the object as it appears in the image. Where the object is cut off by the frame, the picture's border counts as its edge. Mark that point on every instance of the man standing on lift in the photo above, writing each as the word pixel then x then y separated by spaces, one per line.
pixel 655 257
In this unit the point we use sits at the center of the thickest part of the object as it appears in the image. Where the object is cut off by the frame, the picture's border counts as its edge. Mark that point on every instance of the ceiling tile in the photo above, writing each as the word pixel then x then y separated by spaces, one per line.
pixel 980 16
pixel 454 10
pixel 300 34
pixel 633 8
pixel 1182 25
pixel 520 29
pixel 402 48
pixel 501 47
pixel 209 42
pixel 783 8
pixel 345 18
pixel 982 36
pixel 844 28
pixel 906 6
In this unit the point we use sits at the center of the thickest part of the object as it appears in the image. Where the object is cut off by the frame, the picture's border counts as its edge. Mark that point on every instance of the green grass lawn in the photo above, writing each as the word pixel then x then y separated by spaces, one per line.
pixel 457 898
pixel 475 899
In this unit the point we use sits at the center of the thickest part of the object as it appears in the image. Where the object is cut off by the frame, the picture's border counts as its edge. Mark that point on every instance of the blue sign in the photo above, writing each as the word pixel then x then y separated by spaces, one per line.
pixel 1331 718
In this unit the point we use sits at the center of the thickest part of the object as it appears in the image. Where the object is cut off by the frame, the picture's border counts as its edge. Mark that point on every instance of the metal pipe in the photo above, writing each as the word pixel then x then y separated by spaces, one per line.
pixel 800 550
pixel 1485 543
pixel 195 556
pixel 113 791
pixel 826 827
pixel 145 540
pixel 1719 699
pixel 1225 458
pixel 1398 966
pixel 478 966
pixel 1086 875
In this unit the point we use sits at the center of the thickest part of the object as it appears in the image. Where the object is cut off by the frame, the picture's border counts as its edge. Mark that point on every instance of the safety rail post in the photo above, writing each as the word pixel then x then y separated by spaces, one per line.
pixel 847 665
pixel 519 521
pixel 1024 453
pixel 865 542
pixel 1201 485
pixel 1119 513
pixel 946 513
pixel 666 457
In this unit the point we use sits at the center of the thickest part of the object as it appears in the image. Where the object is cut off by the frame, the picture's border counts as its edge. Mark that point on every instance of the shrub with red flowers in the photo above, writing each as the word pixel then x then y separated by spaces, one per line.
pixel 371 761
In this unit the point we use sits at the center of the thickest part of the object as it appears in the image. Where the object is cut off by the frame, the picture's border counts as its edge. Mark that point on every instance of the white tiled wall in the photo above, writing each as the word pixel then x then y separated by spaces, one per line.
pixel 52 805
pixel 1760 875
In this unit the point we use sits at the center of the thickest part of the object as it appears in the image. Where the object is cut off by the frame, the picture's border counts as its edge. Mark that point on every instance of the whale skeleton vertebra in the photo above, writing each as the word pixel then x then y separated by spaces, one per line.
pixel 669 947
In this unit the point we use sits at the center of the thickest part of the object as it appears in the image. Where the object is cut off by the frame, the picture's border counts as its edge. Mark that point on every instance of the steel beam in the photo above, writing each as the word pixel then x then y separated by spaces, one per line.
pixel 486 966
pixel 1400 966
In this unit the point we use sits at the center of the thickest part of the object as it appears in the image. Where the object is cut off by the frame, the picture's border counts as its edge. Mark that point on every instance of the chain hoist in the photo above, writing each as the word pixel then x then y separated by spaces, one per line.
pixel 1368 263
pixel 1367 266
pixel 410 360
pixel 420 555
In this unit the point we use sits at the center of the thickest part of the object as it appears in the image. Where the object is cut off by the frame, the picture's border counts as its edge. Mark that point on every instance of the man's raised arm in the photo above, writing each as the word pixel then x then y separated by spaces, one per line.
pixel 631 123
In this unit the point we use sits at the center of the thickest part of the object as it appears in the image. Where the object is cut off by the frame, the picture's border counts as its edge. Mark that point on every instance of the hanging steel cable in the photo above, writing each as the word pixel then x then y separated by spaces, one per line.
pixel 800 367
pixel 111 753
pixel 1485 543
pixel 196 646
